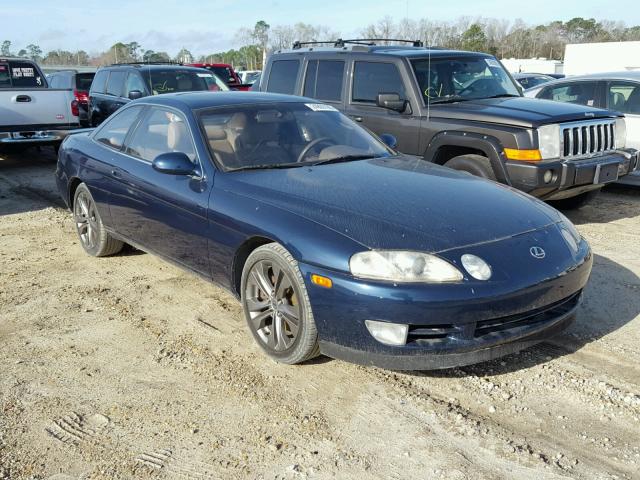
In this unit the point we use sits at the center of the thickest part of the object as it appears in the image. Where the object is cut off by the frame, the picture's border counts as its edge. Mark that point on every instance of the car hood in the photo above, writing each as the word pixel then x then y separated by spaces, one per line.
pixel 396 203
pixel 521 111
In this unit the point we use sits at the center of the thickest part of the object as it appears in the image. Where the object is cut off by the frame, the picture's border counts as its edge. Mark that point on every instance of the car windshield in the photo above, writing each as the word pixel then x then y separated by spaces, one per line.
pixel 173 80
pixel 223 72
pixel 535 81
pixel 460 79
pixel 285 135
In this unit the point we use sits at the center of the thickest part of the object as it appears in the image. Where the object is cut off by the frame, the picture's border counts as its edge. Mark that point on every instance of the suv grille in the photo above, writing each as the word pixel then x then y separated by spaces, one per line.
pixel 587 139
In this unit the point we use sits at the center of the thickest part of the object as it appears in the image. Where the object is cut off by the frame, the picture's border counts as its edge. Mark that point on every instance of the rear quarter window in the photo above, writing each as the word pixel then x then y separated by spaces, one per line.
pixel 283 76
pixel 25 75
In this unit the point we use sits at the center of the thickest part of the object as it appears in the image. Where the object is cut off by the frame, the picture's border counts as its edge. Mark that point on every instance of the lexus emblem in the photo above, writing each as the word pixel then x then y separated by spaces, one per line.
pixel 537 252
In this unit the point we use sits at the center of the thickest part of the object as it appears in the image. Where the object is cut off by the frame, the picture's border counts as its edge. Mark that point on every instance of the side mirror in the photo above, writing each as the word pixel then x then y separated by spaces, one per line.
pixel 173 163
pixel 391 101
pixel 135 94
pixel 389 140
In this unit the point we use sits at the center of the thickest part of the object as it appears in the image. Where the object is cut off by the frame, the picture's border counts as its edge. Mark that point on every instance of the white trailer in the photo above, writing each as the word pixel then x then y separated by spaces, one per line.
pixel 532 65
pixel 586 58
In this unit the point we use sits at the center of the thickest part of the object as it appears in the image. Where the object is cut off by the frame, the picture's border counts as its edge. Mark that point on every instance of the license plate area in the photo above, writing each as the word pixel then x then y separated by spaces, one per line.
pixel 606 173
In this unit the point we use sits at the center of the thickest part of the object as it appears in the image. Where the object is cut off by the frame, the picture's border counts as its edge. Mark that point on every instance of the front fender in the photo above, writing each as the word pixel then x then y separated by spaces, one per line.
pixel 234 219
pixel 490 146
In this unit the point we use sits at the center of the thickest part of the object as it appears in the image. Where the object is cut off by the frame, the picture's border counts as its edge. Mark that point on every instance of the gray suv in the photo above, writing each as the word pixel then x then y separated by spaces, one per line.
pixel 463 110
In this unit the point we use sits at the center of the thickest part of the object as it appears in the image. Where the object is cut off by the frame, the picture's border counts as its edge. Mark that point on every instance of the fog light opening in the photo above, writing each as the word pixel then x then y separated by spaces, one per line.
pixel 548 176
pixel 388 333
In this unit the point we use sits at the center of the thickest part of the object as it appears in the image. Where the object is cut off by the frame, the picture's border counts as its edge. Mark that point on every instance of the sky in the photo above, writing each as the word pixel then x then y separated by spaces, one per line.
pixel 207 26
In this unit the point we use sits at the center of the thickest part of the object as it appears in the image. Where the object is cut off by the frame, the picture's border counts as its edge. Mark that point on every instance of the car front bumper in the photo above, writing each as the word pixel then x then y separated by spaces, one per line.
pixel 450 324
pixel 571 177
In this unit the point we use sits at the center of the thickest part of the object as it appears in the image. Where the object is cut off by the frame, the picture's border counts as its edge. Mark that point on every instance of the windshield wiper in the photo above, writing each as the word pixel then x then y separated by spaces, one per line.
pixel 451 99
pixel 266 166
pixel 344 158
pixel 503 95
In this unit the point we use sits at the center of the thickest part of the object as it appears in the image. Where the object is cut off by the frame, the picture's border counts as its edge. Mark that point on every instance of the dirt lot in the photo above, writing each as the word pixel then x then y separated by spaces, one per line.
pixel 127 367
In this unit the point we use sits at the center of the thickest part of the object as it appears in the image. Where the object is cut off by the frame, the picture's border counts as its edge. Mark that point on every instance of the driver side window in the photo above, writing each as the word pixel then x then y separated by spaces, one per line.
pixel 161 131
pixel 372 78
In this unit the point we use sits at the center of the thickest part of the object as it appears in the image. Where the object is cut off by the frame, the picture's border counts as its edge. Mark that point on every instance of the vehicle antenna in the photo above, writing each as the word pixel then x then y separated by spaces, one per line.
pixel 428 77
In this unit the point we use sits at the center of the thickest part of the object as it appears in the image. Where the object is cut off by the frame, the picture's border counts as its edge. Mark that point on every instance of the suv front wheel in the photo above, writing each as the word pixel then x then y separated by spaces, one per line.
pixel 474 164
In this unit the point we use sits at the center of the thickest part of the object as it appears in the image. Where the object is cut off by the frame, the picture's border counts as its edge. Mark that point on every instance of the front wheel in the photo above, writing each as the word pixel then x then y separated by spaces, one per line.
pixel 474 164
pixel 95 240
pixel 573 203
pixel 276 305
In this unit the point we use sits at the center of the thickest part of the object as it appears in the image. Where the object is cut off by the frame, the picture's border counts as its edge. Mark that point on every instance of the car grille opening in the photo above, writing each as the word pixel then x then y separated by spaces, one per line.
pixel 587 139
pixel 541 315
pixel 426 333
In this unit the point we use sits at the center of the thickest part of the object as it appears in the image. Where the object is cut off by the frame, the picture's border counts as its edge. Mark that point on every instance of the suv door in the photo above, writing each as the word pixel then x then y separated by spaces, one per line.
pixel 624 97
pixel 324 80
pixel 114 98
pixel 135 84
pixel 370 78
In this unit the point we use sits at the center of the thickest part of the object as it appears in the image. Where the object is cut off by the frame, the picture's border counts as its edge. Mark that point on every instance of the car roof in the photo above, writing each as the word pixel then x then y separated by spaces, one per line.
pixel 200 65
pixel 199 100
pixel 633 75
pixel 150 67
pixel 387 50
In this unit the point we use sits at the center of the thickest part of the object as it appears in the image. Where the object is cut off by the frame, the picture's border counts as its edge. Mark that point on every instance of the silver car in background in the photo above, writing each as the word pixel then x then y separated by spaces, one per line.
pixel 617 91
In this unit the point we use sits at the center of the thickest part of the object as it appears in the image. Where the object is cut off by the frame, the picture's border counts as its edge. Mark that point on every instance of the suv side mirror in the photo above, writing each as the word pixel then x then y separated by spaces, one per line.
pixel 391 101
pixel 135 94
pixel 173 163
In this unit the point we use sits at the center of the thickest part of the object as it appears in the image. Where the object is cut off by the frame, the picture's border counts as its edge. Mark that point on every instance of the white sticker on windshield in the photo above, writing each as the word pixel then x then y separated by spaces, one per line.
pixel 320 107
pixel 205 75
pixel 492 62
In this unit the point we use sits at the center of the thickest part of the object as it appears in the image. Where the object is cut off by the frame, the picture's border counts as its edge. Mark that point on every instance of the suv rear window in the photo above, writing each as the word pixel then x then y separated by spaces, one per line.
pixel 372 78
pixel 99 81
pixel 283 76
pixel 24 75
pixel 223 72
pixel 324 80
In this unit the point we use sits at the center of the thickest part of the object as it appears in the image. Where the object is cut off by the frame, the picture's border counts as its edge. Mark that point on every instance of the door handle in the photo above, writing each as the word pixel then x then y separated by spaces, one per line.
pixel 357 118
pixel 23 99
pixel 115 173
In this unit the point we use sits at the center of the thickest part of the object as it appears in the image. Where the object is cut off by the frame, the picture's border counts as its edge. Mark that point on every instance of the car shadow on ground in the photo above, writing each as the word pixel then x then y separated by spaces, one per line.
pixel 615 202
pixel 27 181
pixel 610 301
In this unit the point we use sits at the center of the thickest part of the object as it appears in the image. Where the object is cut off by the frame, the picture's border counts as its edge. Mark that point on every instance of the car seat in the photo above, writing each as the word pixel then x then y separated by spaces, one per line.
pixel 633 102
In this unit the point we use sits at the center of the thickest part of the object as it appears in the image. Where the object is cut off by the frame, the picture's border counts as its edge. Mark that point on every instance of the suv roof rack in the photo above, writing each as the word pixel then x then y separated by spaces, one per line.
pixel 369 42
pixel 169 62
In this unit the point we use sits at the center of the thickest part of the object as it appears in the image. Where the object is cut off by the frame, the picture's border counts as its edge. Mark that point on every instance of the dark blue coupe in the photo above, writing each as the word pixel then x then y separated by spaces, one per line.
pixel 333 242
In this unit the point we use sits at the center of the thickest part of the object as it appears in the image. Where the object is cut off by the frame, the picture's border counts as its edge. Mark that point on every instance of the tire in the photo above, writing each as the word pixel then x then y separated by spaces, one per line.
pixel 93 237
pixel 474 164
pixel 272 315
pixel 573 203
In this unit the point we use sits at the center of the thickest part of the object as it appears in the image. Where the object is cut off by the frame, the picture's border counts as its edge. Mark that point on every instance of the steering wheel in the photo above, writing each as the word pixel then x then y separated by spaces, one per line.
pixel 313 144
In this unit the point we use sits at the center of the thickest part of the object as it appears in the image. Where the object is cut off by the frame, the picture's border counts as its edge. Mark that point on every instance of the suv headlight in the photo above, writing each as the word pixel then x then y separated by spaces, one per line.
pixel 621 133
pixel 403 266
pixel 549 141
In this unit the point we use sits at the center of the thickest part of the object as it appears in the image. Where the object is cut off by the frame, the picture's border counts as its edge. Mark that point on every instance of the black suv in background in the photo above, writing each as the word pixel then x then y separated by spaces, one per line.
pixel 116 85
pixel 80 83
pixel 463 110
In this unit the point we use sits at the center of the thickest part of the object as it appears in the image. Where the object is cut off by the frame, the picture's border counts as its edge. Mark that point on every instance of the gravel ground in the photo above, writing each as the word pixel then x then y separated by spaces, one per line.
pixel 126 367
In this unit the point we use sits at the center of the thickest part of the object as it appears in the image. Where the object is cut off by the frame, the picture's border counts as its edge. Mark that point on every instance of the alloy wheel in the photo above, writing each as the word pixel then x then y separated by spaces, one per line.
pixel 85 215
pixel 273 306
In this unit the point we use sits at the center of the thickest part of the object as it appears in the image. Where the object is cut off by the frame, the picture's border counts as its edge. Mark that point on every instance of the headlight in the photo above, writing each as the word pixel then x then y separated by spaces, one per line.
pixel 403 266
pixel 549 141
pixel 621 133
pixel 477 267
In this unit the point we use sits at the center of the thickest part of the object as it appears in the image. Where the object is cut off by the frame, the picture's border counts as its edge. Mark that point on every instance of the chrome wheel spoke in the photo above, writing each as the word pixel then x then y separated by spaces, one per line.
pixel 291 316
pixel 281 342
pixel 259 319
pixel 255 305
pixel 261 279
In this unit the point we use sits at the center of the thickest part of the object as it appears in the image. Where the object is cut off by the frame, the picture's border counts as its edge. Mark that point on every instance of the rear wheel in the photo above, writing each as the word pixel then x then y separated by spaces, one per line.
pixel 573 203
pixel 277 307
pixel 95 240
pixel 474 164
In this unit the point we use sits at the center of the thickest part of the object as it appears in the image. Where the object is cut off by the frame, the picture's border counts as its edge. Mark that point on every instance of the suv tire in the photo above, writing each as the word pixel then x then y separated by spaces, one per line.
pixel 474 164
pixel 573 203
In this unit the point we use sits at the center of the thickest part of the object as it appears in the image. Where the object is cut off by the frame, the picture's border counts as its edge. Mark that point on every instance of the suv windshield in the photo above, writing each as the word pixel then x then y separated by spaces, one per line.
pixel 282 135
pixel 460 79
pixel 174 80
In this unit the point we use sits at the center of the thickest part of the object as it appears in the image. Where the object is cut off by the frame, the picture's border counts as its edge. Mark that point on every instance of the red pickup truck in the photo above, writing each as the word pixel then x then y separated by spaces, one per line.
pixel 226 73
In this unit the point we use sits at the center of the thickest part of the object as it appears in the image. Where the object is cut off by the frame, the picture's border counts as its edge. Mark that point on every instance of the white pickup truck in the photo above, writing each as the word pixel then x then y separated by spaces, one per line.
pixel 30 112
